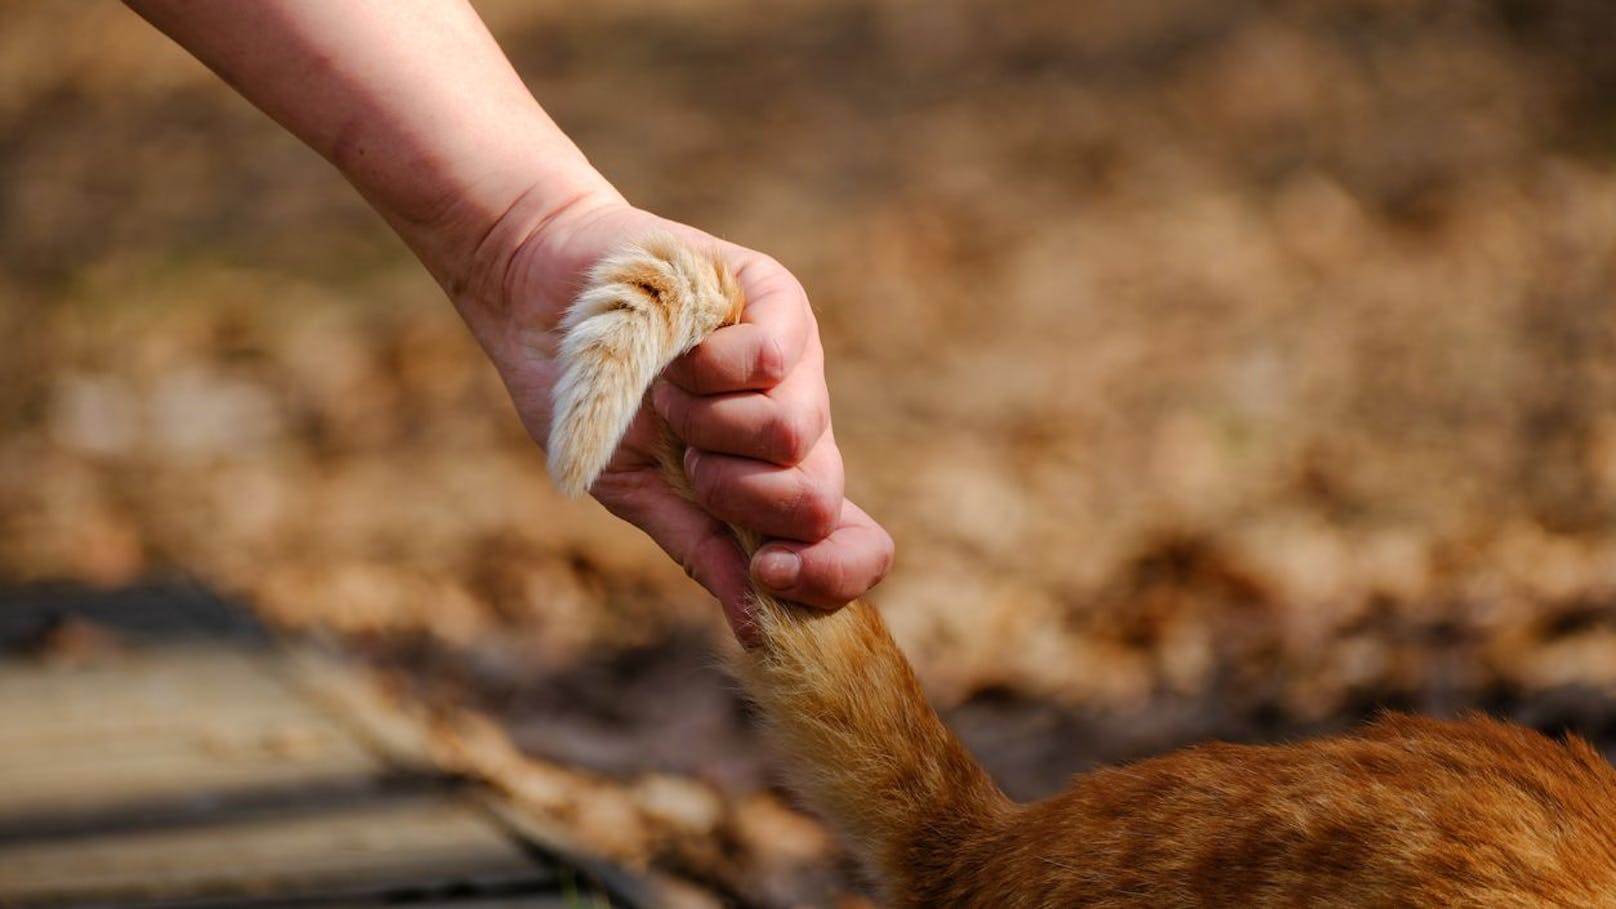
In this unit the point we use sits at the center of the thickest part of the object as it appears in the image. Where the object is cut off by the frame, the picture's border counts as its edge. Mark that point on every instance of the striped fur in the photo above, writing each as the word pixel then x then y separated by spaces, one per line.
pixel 1407 812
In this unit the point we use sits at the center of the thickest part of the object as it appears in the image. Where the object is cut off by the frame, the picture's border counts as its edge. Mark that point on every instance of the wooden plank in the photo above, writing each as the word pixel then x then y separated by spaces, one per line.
pixel 176 724
pixel 250 717
pixel 195 772
pixel 147 666
pixel 179 769
pixel 321 677
pixel 408 845
pixel 392 731
pixel 156 691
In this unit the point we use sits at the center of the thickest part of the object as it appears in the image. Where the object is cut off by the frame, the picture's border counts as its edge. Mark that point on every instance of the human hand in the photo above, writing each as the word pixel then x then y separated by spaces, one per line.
pixel 420 110
pixel 750 403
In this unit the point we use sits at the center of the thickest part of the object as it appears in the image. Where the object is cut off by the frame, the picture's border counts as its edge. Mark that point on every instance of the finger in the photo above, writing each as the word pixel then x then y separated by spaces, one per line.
pixel 780 426
pixel 799 503
pixel 701 545
pixel 756 354
pixel 715 563
pixel 832 572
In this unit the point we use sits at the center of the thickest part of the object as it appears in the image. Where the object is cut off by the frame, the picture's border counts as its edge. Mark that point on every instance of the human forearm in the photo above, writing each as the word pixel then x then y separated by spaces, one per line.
pixel 415 104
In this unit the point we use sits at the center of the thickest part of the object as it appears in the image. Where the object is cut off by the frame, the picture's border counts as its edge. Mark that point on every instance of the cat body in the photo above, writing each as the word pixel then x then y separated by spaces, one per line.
pixel 1405 812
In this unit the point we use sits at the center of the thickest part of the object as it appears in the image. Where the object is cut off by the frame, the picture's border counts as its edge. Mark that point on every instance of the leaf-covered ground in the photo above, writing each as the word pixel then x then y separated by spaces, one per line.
pixel 1222 369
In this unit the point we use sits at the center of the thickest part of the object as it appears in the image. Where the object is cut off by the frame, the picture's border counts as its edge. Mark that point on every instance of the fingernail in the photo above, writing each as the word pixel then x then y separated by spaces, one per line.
pixel 778 568
pixel 659 398
pixel 692 458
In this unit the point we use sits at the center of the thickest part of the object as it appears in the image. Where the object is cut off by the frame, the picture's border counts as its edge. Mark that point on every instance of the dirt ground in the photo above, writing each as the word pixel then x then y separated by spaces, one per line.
pixel 1222 370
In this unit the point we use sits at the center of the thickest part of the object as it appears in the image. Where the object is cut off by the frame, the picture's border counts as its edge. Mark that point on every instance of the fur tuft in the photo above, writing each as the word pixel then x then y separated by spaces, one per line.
pixel 643 306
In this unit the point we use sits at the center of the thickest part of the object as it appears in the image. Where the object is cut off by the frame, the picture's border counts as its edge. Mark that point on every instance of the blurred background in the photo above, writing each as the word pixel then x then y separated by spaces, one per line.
pixel 1223 369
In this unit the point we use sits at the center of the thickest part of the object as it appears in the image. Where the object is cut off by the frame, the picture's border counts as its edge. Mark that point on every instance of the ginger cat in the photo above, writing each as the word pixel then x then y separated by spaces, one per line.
pixel 1405 812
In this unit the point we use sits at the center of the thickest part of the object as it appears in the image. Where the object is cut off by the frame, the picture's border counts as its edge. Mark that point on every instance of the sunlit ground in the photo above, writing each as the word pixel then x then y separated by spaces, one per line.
pixel 1221 370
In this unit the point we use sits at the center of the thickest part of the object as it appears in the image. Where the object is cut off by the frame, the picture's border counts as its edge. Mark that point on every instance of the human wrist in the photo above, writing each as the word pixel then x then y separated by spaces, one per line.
pixel 491 209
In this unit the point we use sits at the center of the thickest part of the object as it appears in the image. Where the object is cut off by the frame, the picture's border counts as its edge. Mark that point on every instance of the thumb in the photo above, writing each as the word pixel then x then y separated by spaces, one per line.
pixel 702 545
pixel 717 564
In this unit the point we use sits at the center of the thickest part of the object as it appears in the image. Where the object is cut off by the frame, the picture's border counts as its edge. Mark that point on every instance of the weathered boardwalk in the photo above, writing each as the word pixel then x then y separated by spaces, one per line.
pixel 186 760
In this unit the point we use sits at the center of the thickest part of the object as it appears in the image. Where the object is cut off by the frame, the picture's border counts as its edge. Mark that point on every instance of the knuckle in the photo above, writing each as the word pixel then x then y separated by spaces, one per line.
pixel 818 510
pixel 770 365
pixel 790 437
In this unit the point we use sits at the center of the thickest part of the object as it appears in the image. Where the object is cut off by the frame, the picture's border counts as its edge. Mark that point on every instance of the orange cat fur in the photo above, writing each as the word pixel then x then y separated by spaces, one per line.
pixel 1405 812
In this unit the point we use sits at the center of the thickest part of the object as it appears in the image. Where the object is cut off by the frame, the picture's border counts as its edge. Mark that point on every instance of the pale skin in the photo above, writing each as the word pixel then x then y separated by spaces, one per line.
pixel 417 106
